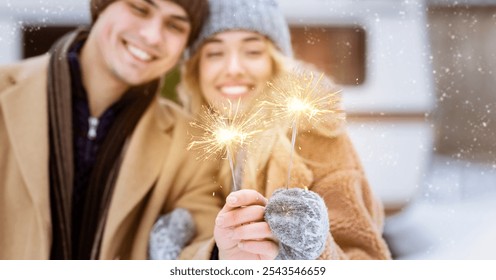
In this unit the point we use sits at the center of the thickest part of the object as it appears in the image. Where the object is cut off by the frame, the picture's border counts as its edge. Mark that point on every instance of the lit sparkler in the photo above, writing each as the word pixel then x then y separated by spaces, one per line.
pixel 226 133
pixel 299 94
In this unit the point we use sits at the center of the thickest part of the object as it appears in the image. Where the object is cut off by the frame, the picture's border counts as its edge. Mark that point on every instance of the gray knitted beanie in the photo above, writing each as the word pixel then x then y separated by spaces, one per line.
pixel 261 16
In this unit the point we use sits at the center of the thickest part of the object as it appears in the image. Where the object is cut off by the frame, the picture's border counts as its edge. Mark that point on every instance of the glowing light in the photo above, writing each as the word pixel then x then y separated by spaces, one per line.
pixel 229 135
pixel 300 94
pixel 226 132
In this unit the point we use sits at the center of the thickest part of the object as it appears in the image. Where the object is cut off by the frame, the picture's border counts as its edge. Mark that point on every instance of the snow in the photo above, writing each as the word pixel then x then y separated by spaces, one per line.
pixel 452 218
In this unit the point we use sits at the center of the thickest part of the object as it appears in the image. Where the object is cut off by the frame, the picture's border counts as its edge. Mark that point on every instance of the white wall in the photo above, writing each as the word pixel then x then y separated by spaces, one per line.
pixel 395 154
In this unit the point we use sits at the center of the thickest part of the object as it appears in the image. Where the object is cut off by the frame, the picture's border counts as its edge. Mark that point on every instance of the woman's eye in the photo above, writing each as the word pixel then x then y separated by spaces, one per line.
pixel 254 52
pixel 214 54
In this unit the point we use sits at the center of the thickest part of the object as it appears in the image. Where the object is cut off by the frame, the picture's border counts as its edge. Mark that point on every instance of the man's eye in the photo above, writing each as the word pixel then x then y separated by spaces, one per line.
pixel 176 27
pixel 139 10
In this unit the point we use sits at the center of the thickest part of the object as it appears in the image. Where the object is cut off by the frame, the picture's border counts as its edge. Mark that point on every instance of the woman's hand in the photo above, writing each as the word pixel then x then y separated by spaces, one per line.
pixel 241 231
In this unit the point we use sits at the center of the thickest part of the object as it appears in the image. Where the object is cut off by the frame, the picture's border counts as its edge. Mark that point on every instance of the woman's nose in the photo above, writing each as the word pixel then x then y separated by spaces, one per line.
pixel 235 65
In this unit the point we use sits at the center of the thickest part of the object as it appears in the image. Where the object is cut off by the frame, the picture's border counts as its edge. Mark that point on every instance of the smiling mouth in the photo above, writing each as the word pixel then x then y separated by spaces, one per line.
pixel 138 53
pixel 235 90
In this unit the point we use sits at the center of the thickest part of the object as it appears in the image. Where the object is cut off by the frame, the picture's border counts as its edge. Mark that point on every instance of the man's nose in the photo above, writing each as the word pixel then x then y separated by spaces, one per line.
pixel 151 32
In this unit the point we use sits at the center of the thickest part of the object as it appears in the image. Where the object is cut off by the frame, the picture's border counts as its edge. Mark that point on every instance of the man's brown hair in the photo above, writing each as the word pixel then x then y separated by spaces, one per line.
pixel 197 11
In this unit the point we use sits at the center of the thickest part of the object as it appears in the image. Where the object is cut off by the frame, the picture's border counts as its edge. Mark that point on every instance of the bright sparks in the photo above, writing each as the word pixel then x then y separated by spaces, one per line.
pixel 229 135
pixel 301 94
pixel 298 106
pixel 226 131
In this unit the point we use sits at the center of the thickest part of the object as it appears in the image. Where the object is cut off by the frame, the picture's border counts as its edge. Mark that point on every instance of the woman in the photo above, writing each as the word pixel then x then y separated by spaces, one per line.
pixel 243 45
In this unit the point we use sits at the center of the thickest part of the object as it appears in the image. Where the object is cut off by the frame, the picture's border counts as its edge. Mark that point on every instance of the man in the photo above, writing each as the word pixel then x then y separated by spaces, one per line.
pixel 88 157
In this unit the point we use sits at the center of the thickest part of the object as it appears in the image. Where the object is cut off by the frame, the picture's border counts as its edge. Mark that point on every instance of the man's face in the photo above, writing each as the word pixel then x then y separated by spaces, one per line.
pixel 139 40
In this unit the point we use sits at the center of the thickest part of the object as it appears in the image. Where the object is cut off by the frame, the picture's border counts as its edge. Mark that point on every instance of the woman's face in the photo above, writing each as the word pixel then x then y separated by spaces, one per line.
pixel 234 65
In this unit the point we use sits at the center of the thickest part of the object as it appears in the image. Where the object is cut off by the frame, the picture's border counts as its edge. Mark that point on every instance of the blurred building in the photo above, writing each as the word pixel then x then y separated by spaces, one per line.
pixel 452 215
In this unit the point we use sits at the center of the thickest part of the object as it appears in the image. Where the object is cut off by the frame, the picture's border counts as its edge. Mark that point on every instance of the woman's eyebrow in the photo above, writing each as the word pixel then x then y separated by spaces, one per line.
pixel 250 39
pixel 212 40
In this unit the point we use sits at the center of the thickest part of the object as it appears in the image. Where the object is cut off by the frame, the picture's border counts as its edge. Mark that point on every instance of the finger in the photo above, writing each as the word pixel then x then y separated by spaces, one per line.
pixel 239 216
pixel 260 230
pixel 223 238
pixel 267 249
pixel 245 198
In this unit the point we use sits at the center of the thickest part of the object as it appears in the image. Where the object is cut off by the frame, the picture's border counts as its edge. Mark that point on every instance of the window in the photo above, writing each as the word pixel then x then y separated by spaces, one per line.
pixel 338 51
pixel 38 40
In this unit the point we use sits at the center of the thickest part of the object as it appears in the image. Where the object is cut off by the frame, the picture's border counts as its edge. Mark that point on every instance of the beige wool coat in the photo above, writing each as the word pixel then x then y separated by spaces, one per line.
pixel 157 174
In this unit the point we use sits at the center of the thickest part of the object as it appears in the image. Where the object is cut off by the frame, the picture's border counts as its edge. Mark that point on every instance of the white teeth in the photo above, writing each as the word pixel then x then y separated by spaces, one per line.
pixel 139 53
pixel 234 90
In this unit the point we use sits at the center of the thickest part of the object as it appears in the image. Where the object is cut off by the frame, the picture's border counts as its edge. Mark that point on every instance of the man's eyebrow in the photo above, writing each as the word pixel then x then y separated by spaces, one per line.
pixel 181 18
pixel 151 3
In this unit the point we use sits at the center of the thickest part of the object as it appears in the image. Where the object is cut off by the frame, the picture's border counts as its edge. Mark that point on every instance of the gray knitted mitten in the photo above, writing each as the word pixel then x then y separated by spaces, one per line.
pixel 170 234
pixel 298 218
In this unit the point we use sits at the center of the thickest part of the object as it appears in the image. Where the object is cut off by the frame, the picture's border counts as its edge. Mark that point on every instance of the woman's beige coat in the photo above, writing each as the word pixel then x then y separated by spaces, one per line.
pixel 356 217
pixel 157 174
pixel 331 168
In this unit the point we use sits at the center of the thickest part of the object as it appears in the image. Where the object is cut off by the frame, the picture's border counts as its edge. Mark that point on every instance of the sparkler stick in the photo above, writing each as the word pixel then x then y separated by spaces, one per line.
pixel 293 142
pixel 235 186
pixel 299 94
